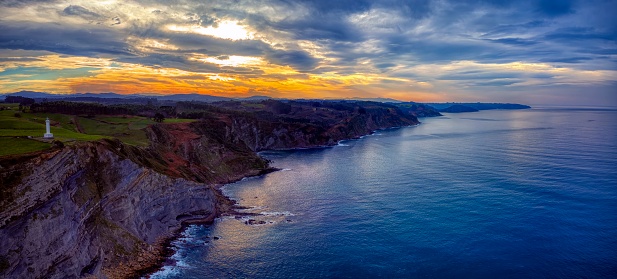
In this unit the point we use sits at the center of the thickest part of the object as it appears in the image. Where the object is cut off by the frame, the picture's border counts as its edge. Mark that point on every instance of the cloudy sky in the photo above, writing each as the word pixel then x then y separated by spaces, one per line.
pixel 526 51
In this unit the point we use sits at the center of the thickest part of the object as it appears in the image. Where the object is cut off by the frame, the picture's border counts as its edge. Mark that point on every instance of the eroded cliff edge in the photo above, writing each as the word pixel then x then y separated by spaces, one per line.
pixel 102 208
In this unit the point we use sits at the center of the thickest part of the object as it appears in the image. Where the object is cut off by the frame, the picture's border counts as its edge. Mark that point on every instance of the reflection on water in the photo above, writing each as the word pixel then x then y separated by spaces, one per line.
pixel 514 194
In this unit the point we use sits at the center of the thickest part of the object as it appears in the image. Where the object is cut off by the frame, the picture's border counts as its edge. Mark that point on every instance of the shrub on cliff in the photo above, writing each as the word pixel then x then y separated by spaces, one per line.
pixel 158 117
pixel 57 143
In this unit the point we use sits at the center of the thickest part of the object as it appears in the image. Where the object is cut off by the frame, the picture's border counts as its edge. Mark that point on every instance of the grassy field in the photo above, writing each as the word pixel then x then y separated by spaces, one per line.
pixel 12 145
pixel 33 124
pixel 16 125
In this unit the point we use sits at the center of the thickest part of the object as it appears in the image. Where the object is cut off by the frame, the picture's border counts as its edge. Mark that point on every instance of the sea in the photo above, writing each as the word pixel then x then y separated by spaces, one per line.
pixel 491 194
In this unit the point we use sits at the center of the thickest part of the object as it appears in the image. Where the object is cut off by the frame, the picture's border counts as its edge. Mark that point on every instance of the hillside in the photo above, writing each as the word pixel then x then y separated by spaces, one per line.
pixel 96 205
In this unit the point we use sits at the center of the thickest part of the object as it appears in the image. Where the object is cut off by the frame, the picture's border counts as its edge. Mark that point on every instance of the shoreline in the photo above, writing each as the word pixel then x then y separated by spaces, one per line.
pixel 163 248
pixel 229 206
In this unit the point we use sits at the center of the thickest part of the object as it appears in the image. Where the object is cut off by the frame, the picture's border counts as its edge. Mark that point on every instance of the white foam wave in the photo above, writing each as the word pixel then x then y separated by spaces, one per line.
pixel 170 271
pixel 277 213
pixel 167 271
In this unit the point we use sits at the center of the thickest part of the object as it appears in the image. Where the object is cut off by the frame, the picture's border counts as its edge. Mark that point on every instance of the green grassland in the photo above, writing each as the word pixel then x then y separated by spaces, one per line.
pixel 16 127
pixel 12 146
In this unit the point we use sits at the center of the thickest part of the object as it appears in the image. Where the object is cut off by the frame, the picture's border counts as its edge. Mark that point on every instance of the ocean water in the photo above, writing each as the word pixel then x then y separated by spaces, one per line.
pixel 492 194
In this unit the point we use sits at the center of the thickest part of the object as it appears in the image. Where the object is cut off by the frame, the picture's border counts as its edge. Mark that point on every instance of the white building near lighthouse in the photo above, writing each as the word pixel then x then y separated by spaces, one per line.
pixel 48 134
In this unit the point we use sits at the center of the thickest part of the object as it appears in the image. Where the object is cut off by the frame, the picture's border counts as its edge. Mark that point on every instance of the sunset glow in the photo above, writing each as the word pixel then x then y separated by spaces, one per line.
pixel 224 30
pixel 530 53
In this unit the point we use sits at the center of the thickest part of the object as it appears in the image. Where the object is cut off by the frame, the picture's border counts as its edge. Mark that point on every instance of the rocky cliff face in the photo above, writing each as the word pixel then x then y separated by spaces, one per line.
pixel 103 208
pixel 86 210
pixel 303 125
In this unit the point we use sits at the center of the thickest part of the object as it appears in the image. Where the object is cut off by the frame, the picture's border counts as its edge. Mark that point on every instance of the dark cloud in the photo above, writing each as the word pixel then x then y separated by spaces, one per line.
pixel 579 34
pixel 498 82
pixel 207 20
pixel 601 51
pixel 300 60
pixel 385 65
pixel 75 10
pixel 479 75
pixel 566 59
pixel 191 42
pixel 115 21
pixel 508 29
pixel 319 27
pixel 19 59
pixel 541 76
pixel 172 61
pixel 71 40
pixel 435 50
pixel 21 3
pixel 514 41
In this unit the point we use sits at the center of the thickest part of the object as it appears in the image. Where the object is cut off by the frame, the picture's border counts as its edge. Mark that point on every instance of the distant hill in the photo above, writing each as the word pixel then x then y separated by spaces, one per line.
pixel 417 109
pixel 471 107
pixel 458 108
pixel 190 97
pixel 89 96
pixel 117 98
pixel 429 109
pixel 255 98
pixel 379 100
pixel 29 94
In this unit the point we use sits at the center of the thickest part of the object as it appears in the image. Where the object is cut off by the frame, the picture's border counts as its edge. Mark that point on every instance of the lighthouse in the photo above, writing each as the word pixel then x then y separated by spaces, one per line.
pixel 48 134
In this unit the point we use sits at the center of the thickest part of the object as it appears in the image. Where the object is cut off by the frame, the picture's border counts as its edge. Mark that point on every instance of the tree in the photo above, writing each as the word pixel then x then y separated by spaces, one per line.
pixel 24 101
pixel 158 117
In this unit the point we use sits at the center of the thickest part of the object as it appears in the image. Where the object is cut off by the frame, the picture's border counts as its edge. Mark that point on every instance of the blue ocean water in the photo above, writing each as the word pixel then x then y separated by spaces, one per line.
pixel 492 194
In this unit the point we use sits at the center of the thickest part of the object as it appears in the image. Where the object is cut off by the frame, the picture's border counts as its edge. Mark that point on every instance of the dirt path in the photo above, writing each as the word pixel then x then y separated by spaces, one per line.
pixel 77 126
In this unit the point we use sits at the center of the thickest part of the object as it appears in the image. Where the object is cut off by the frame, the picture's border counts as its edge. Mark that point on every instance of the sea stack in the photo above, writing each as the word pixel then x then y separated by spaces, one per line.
pixel 48 134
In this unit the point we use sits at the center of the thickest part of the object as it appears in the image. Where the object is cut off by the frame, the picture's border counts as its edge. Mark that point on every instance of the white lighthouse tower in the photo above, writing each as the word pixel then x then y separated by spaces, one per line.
pixel 48 134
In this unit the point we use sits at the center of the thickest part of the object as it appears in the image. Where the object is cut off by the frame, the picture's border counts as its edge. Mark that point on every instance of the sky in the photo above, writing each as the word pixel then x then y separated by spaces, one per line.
pixel 527 51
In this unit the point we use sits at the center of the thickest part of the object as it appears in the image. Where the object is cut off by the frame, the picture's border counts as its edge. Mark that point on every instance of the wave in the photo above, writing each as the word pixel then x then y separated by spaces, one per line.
pixel 277 213
pixel 177 264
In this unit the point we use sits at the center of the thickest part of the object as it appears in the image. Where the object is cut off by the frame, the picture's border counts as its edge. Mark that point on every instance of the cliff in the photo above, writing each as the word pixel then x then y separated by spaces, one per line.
pixel 105 208
pixel 279 125
pixel 86 209
pixel 418 110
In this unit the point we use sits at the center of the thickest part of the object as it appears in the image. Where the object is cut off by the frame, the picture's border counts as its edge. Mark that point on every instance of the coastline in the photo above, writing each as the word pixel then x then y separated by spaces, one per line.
pixel 162 250
pixel 225 206
pixel 335 217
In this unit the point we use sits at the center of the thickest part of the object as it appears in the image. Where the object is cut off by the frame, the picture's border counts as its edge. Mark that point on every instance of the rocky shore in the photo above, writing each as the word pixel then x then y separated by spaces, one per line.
pixel 106 209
